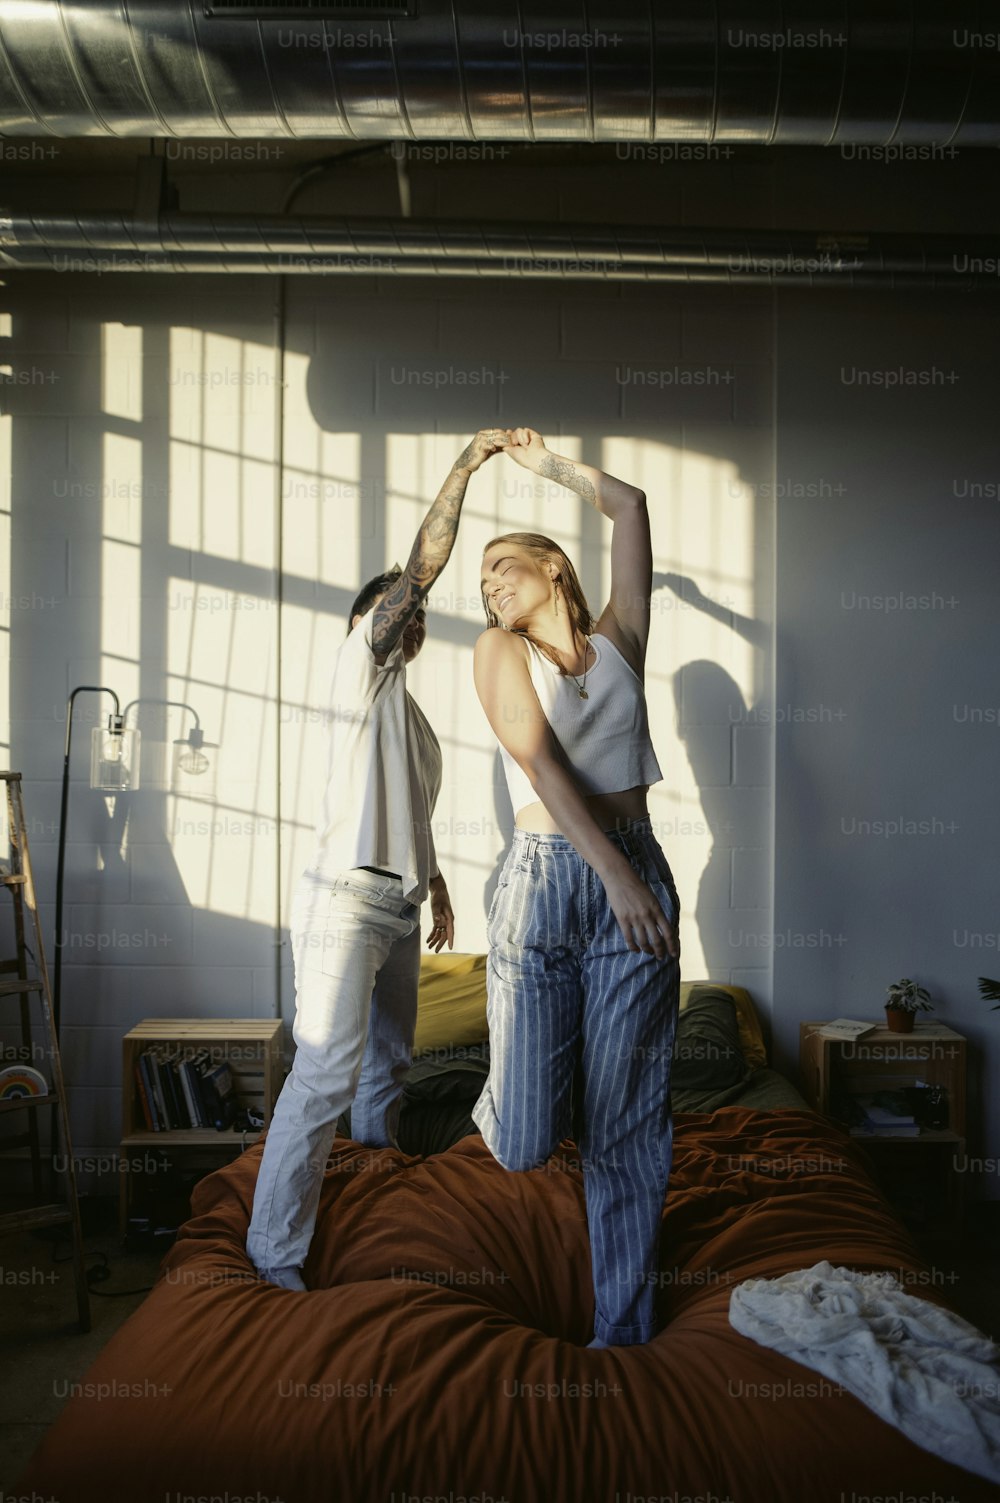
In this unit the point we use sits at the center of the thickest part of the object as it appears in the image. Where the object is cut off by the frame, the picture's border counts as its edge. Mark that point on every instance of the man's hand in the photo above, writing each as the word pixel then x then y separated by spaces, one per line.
pixel 442 916
pixel 526 447
pixel 487 442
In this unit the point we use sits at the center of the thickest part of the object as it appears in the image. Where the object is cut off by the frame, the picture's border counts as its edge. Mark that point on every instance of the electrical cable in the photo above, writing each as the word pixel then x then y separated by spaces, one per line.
pixel 100 1272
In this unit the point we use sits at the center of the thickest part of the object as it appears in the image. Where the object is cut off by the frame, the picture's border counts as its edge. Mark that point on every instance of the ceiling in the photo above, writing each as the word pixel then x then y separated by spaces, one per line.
pixel 113 112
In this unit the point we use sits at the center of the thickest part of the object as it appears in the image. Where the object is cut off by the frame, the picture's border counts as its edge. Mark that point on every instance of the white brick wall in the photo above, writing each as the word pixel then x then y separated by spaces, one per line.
pixel 362 460
pixel 144 520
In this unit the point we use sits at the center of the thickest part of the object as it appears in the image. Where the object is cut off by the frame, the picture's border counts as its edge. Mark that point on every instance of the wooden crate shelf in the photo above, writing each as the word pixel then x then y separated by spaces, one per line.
pixel 252 1048
pixel 933 1055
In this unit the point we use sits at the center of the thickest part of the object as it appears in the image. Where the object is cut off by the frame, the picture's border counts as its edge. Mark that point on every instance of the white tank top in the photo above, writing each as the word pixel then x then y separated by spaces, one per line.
pixel 604 738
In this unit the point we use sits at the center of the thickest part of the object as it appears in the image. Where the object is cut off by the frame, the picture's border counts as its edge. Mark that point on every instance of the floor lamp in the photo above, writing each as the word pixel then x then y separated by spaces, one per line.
pixel 114 768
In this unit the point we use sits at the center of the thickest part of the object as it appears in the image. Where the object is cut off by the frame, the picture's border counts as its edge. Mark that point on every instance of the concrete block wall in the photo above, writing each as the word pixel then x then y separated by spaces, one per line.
pixel 142 546
pixel 151 512
pixel 774 485
pixel 887 828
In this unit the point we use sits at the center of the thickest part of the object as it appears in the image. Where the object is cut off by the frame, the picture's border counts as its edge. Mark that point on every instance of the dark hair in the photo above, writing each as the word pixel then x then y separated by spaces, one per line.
pixel 542 549
pixel 370 593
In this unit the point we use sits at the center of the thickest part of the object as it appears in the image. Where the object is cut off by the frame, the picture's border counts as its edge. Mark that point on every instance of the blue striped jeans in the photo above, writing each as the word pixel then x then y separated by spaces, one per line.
pixel 561 984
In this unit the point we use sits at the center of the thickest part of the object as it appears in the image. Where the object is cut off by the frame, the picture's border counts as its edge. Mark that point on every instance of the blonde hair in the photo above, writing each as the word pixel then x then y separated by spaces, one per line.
pixel 543 549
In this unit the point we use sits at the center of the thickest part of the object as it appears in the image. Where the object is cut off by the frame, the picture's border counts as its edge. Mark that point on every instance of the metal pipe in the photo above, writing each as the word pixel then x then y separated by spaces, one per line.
pixel 481 240
pixel 687 275
pixel 313 245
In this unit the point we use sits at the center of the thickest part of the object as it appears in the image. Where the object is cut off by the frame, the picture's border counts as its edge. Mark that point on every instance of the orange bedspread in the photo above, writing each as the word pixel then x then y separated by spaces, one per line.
pixel 440 1350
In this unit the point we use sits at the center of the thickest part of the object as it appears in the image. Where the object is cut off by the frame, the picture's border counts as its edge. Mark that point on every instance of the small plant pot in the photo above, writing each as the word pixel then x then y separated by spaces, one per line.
pixel 899 1021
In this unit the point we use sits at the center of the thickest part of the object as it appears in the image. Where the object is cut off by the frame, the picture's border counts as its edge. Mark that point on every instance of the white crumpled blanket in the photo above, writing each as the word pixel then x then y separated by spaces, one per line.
pixel 919 1367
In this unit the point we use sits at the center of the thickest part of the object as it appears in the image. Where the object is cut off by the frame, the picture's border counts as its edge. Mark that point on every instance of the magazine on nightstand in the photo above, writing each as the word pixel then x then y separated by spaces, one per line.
pixel 846 1028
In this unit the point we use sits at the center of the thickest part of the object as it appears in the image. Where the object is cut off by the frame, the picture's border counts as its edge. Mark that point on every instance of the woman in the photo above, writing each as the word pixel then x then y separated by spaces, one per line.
pixel 584 954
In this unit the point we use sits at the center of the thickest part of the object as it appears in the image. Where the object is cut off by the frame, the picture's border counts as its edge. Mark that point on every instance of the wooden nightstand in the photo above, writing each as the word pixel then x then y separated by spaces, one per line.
pixel 252 1048
pixel 919 1173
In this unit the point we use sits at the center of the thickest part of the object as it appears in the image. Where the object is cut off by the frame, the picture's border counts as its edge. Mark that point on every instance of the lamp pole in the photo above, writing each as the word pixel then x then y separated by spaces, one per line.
pixel 57 965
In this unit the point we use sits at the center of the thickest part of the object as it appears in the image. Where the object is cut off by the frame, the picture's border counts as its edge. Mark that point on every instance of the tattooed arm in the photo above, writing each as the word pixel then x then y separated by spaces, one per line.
pixel 432 545
pixel 625 618
pixel 608 494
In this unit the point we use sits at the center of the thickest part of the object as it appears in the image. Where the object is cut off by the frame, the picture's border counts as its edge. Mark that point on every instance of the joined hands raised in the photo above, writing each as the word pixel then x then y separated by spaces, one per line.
pixel 524 446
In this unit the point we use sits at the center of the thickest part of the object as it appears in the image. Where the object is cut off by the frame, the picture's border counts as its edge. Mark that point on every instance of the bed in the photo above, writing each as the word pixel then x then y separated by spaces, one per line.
pixel 440 1350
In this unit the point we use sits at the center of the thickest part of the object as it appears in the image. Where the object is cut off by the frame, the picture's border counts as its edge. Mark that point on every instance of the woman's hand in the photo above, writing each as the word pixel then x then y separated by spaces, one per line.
pixel 441 914
pixel 643 922
pixel 487 442
pixel 526 447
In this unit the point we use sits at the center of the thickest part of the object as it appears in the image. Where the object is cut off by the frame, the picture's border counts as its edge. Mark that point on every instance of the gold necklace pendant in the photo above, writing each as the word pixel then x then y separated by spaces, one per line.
pixel 581 686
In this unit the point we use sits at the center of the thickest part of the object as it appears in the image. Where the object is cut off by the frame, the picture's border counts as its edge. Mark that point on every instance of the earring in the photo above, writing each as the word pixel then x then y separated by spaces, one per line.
pixel 557 600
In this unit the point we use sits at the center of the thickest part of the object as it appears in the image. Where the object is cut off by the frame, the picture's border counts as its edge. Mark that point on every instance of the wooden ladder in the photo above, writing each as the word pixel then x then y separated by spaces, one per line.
pixel 16 982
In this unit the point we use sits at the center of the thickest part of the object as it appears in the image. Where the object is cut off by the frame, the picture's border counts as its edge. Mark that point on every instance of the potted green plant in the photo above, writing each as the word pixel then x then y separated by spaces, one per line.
pixel 991 991
pixel 906 999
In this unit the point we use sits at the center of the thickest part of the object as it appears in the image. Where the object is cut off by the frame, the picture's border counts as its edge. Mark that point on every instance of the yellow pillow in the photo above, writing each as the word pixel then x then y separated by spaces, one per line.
pixel 452 1006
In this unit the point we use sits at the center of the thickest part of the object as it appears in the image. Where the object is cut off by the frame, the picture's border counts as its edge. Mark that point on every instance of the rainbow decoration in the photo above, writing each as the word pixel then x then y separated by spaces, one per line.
pixel 22 1080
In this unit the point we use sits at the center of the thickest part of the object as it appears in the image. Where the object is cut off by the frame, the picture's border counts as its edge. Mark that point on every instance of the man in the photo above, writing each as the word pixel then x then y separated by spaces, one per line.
pixel 356 909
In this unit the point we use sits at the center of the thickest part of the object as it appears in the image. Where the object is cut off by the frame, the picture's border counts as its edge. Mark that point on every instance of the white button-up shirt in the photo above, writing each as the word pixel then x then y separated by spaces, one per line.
pixel 383 771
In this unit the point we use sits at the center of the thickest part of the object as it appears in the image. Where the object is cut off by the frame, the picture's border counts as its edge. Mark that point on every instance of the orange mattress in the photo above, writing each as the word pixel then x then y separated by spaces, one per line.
pixel 440 1351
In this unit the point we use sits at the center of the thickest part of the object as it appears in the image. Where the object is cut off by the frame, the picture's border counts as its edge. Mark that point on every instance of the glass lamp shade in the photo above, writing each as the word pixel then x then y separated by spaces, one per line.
pixel 114 757
pixel 193 770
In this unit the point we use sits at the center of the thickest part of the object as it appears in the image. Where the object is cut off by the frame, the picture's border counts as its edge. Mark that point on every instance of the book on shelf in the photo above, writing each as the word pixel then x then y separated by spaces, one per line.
pixel 846 1028
pixel 140 1085
pixel 184 1074
pixel 202 1066
pixel 221 1091
pixel 146 1075
pixel 168 1090
pixel 884 1114
pixel 191 1073
pixel 178 1109
pixel 180 1088
pixel 155 1076
pixel 887 1107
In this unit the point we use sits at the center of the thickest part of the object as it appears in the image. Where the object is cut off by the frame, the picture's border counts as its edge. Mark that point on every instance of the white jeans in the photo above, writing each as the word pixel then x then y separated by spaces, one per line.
pixel 356 951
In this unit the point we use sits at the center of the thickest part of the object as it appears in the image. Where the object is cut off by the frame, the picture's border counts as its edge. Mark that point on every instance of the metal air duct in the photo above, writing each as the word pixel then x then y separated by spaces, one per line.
pixel 823 72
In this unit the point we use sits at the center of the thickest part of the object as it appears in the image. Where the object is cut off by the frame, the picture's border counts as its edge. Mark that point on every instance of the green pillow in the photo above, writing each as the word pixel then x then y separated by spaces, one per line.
pixel 707 1054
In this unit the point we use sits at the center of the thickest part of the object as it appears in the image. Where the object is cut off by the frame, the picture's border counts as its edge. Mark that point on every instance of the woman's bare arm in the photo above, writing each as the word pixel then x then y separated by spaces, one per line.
pixel 631 546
